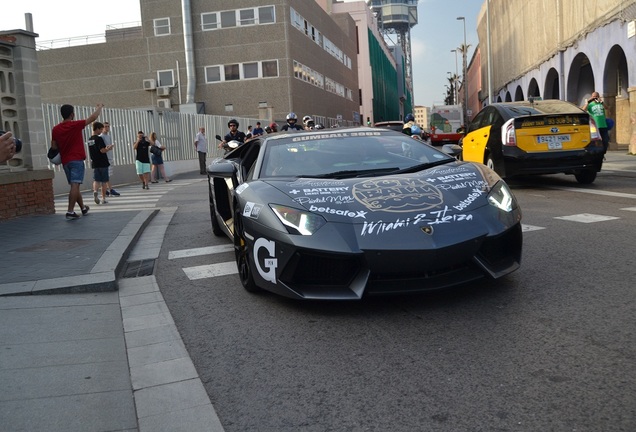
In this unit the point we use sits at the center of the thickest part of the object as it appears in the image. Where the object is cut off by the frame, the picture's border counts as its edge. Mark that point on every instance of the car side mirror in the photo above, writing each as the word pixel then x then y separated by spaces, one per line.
pixel 222 168
pixel 452 150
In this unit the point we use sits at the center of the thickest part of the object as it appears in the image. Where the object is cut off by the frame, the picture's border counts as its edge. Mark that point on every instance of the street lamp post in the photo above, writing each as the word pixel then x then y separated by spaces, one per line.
pixel 489 59
pixel 456 74
pixel 465 81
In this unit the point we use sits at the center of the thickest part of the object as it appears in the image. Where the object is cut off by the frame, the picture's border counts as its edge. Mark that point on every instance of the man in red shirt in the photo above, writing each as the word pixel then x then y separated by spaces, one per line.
pixel 68 139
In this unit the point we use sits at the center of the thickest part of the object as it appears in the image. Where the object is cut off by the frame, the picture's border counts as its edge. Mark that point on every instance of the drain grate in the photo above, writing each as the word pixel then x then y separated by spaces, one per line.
pixel 135 269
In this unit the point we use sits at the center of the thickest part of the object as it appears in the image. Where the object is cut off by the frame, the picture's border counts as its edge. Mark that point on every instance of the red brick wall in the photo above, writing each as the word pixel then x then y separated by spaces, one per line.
pixel 26 198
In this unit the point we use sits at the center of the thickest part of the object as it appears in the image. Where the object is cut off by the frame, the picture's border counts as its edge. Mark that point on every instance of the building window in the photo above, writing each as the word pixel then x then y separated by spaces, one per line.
pixel 228 19
pixel 312 32
pixel 246 17
pixel 209 21
pixel 240 17
pixel 296 19
pixel 162 26
pixel 241 71
pixel 213 74
pixel 308 75
pixel 232 72
pixel 270 68
pixel 266 15
pixel 165 78
pixel 250 70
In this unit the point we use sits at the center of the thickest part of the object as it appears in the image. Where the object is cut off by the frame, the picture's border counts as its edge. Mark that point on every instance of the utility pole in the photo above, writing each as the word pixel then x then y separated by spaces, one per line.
pixel 465 81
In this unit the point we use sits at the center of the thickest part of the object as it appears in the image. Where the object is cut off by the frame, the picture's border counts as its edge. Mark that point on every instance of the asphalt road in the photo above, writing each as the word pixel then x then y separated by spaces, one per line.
pixel 552 347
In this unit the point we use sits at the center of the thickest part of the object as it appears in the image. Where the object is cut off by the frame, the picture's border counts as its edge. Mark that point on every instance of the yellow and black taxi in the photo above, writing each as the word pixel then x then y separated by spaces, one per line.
pixel 535 137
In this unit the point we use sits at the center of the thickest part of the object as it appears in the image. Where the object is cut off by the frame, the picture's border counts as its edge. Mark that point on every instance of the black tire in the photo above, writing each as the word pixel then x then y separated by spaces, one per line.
pixel 242 256
pixel 490 163
pixel 585 176
pixel 216 228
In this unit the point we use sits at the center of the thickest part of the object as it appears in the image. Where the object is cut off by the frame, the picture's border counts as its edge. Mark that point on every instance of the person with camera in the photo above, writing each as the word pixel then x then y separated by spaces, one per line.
pixel 7 146
pixel 596 108
pixel 142 159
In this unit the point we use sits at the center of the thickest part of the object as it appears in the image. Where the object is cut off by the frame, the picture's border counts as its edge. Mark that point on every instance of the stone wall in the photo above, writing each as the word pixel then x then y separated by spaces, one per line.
pixel 26 182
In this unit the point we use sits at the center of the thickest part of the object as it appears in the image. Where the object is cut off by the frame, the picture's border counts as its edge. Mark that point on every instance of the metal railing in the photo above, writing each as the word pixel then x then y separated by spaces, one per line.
pixel 175 130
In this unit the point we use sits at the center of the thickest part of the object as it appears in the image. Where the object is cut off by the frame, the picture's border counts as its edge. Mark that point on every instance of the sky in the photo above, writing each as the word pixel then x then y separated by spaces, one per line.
pixel 438 32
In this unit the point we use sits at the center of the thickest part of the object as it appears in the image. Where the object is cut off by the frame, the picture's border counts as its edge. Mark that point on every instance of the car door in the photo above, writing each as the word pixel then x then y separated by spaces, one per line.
pixel 476 139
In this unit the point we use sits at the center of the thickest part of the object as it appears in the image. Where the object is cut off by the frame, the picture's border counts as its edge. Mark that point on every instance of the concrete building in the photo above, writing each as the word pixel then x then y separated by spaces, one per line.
pixel 421 116
pixel 562 49
pixel 245 57
pixel 384 91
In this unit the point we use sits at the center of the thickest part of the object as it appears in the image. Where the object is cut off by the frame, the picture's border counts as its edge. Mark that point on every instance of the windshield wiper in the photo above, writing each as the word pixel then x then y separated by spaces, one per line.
pixel 354 173
pixel 420 167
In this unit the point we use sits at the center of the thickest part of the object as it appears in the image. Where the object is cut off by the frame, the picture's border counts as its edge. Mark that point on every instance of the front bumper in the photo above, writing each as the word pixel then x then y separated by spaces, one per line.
pixel 311 274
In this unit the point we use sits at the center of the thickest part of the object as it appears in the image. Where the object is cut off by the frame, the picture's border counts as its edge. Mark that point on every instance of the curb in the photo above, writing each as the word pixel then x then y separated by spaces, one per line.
pixel 103 275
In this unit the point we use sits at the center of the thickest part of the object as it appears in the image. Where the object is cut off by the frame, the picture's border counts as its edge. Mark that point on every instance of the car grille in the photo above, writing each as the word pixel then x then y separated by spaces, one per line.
pixel 310 269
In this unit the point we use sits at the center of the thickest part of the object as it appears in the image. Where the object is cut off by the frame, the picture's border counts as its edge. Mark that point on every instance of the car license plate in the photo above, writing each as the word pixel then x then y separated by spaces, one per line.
pixel 554 142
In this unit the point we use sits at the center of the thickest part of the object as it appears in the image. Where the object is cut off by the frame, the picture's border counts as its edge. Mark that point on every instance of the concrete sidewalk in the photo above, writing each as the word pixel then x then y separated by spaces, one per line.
pixel 106 355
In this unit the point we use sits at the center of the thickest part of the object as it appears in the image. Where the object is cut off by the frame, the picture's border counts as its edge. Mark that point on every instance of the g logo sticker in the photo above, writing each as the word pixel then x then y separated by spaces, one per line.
pixel 270 263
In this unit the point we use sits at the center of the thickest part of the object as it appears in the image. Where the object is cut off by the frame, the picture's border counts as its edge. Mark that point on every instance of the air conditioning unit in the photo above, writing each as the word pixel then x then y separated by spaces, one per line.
pixel 149 84
pixel 163 103
pixel 163 91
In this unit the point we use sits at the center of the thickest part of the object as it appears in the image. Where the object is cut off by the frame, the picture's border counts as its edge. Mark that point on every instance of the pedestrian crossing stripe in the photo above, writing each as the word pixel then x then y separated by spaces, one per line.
pixel 587 218
pixel 211 270
pixel 132 198
pixel 528 228
pixel 210 250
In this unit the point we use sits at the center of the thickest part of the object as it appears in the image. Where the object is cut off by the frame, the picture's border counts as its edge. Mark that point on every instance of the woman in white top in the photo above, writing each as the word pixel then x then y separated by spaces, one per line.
pixel 157 160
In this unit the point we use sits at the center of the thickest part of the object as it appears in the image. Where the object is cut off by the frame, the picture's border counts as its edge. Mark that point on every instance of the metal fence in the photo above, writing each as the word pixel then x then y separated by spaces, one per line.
pixel 175 130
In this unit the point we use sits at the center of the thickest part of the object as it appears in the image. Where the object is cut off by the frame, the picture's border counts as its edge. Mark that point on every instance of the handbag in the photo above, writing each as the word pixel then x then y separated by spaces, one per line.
pixel 155 150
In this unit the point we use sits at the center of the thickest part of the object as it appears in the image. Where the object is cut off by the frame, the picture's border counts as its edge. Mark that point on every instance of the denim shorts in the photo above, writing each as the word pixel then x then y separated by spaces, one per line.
pixel 100 175
pixel 74 171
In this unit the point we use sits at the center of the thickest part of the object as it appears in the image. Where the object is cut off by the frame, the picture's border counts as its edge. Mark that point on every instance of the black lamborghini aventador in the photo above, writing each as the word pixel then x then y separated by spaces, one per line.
pixel 343 213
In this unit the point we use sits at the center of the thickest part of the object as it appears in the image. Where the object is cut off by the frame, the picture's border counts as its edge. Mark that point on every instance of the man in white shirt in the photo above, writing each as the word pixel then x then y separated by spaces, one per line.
pixel 201 144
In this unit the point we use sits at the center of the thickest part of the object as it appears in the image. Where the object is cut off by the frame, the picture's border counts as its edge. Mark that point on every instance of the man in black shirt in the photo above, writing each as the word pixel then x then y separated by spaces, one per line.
pixel 99 162
pixel 233 135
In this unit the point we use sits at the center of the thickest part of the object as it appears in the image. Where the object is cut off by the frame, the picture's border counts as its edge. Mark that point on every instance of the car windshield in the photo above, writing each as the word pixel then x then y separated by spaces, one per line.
pixel 347 154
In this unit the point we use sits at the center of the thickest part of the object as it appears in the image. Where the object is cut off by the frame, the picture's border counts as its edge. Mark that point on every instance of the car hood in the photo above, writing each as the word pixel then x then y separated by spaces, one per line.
pixel 455 188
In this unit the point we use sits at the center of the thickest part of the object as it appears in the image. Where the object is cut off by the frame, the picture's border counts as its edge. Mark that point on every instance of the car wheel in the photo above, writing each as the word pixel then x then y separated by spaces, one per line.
pixel 585 176
pixel 241 253
pixel 216 228
pixel 490 163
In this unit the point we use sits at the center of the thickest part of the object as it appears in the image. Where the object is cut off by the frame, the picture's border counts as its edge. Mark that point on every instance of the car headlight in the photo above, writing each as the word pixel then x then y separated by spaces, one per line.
pixel 501 197
pixel 298 221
